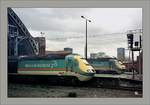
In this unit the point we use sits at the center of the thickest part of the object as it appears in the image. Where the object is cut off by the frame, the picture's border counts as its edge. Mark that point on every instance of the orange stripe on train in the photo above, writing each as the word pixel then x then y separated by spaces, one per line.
pixel 38 69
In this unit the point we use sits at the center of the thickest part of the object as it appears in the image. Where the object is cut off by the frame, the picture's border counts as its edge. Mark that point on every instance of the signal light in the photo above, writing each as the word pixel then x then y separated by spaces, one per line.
pixel 136 43
pixel 130 40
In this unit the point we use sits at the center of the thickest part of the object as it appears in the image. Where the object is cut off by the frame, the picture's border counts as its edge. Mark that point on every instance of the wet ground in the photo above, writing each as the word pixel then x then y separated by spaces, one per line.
pixel 47 91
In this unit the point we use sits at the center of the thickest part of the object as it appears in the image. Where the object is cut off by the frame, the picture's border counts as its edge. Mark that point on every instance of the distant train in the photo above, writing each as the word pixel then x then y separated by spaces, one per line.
pixel 107 66
pixel 70 65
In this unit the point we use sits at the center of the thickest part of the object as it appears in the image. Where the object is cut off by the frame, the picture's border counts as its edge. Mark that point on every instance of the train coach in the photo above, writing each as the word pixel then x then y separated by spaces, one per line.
pixel 70 65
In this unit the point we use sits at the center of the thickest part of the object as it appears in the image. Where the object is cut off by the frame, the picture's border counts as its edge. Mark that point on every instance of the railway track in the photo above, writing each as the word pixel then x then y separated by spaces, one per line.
pixel 115 83
pixel 96 82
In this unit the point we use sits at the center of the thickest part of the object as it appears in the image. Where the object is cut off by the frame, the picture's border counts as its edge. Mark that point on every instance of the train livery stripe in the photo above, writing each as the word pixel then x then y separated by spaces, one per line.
pixel 41 69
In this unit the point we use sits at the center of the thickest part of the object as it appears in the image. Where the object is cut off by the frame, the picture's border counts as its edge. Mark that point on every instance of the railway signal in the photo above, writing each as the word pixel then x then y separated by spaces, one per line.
pixel 130 40
pixel 134 45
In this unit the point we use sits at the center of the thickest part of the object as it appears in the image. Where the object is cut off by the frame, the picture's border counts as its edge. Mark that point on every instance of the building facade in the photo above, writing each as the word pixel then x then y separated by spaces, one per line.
pixel 68 49
pixel 121 54
pixel 93 55
pixel 98 55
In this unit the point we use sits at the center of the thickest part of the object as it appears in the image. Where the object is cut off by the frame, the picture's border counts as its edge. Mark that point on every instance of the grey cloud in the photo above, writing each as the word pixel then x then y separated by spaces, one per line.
pixel 59 19
pixel 64 27
pixel 64 13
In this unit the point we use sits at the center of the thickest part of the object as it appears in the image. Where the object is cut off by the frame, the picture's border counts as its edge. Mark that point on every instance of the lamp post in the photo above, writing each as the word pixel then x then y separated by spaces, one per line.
pixel 86 20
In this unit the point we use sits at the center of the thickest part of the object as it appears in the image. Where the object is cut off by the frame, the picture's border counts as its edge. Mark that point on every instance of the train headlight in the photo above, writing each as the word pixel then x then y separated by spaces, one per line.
pixel 93 70
pixel 90 70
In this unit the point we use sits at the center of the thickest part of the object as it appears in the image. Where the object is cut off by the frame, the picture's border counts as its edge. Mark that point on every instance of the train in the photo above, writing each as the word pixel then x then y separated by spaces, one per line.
pixel 66 70
pixel 71 65
pixel 107 66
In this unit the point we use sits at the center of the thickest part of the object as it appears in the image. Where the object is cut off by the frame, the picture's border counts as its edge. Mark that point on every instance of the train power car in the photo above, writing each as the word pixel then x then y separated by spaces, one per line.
pixel 70 65
pixel 107 66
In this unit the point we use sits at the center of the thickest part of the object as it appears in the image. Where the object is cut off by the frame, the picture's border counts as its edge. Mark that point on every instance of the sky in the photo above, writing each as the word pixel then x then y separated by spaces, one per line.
pixel 64 27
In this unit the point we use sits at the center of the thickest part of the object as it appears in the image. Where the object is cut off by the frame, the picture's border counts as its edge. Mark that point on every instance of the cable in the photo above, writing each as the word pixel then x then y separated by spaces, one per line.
pixel 94 36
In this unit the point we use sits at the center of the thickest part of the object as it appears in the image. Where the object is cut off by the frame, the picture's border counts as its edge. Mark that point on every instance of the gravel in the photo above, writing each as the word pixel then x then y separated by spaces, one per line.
pixel 47 91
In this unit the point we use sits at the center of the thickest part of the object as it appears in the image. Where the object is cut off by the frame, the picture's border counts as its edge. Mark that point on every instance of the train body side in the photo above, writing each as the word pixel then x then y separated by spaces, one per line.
pixel 71 65
pixel 41 67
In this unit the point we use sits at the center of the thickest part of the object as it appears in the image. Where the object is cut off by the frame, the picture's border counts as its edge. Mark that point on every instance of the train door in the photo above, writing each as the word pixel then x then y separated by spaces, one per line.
pixel 69 65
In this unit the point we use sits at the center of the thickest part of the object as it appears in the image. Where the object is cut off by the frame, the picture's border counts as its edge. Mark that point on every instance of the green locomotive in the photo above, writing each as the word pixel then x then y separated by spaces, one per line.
pixel 107 66
pixel 70 65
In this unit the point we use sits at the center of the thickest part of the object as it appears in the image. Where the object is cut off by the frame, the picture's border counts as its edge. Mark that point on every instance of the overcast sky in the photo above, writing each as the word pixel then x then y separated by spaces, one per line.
pixel 64 27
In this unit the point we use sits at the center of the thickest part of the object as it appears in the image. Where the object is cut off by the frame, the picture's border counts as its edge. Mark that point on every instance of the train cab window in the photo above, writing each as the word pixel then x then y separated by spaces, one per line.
pixel 85 62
